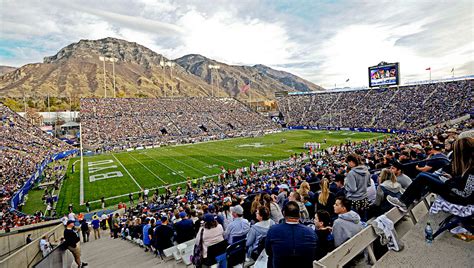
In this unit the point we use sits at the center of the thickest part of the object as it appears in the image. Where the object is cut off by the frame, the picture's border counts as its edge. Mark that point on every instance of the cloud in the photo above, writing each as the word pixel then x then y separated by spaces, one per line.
pixel 322 41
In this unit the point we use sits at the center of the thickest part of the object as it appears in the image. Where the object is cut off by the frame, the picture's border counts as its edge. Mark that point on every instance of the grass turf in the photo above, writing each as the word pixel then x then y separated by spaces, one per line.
pixel 151 168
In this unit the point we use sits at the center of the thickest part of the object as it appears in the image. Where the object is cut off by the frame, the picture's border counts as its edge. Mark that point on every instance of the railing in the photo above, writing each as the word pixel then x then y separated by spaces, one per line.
pixel 361 241
pixel 58 257
pixel 30 254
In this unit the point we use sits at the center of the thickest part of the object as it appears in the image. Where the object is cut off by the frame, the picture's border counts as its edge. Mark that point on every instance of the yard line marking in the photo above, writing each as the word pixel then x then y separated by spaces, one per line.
pixel 219 160
pixel 158 177
pixel 174 159
pixel 126 170
pixel 197 159
pixel 175 171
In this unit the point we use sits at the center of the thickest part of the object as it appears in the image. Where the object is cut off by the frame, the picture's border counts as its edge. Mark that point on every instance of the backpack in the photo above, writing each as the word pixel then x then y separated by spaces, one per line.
pixel 197 258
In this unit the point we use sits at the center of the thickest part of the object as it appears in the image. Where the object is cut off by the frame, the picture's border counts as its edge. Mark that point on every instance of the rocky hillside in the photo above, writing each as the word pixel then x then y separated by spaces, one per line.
pixel 6 69
pixel 77 70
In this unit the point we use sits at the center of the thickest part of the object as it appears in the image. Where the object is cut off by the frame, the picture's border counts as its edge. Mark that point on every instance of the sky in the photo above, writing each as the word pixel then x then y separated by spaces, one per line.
pixel 325 42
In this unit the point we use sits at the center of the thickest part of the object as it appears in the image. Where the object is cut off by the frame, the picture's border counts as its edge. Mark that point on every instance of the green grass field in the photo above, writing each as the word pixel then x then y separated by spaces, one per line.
pixel 115 175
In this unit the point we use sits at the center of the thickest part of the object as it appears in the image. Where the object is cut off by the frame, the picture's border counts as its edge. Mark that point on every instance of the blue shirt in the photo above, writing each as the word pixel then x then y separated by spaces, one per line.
pixel 146 238
pixel 238 227
pixel 95 224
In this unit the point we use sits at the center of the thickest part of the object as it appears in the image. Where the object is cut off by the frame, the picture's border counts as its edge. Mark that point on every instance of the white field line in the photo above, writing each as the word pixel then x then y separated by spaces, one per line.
pixel 126 170
pixel 198 149
pixel 175 171
pixel 200 171
pixel 197 159
pixel 158 177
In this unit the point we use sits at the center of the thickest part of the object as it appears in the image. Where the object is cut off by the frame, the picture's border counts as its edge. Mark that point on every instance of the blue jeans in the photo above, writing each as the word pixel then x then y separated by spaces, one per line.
pixel 424 182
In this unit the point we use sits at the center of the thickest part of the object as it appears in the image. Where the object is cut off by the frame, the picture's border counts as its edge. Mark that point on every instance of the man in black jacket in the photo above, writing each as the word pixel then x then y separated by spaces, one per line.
pixel 72 243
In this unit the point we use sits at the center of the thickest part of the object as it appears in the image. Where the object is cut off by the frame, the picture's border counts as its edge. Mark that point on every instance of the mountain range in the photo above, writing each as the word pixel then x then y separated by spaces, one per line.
pixel 78 70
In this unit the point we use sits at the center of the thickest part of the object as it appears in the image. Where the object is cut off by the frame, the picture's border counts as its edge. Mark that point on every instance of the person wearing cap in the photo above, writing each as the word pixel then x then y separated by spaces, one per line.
pixel 290 244
pixel 238 227
pixel 71 240
pixel 282 194
pixel 211 233
pixel 96 226
pixel 163 235
pixel 436 159
pixel 184 228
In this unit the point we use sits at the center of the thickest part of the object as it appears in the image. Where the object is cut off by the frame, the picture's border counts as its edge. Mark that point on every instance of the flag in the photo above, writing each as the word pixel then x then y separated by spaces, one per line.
pixel 347 80
pixel 428 69
pixel 245 88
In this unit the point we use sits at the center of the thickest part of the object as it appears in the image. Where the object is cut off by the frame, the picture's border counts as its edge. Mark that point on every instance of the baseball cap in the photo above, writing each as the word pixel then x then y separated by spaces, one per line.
pixel 237 209
pixel 70 221
pixel 182 214
pixel 208 217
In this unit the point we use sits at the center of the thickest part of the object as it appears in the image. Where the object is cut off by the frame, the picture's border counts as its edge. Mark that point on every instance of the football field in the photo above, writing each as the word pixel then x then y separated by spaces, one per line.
pixel 115 175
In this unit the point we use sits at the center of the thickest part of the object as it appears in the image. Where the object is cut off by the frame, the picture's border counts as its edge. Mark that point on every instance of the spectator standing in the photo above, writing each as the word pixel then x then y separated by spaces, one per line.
pixel 348 222
pixel 115 225
pixel 290 243
pixel 45 246
pixel 163 235
pixel 184 228
pixel 356 183
pixel 72 240
pixel 85 231
pixel 28 239
pixel 96 226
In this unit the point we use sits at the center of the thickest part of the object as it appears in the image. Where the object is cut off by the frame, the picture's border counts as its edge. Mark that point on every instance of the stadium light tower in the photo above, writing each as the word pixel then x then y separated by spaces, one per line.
pixel 103 59
pixel 214 67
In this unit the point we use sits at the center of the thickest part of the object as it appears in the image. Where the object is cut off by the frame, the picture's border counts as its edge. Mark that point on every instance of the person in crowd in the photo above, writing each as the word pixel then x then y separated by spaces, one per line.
pixel 403 179
pixel 45 246
pixel 184 228
pixel 457 189
pixel 282 194
pixel 435 161
pixel 147 233
pixel 163 235
pixel 325 199
pixel 356 183
pixel 347 223
pixel 258 231
pixel 295 197
pixel 85 230
pixel 290 243
pixel 115 226
pixel 337 187
pixel 225 213
pixel 211 233
pixel 96 226
pixel 322 223
pixel 28 239
pixel 388 185
pixel 238 227
pixel 72 240
pixel 275 211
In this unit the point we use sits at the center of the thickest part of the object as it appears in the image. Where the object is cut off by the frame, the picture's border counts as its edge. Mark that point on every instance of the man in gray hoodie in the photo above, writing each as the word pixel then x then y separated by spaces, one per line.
pixel 348 222
pixel 356 183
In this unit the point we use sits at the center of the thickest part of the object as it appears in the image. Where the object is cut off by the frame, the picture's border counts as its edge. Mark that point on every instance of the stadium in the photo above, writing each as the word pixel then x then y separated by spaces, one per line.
pixel 112 154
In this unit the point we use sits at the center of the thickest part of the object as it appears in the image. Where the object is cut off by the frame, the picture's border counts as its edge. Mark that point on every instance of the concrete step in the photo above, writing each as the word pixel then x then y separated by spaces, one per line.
pixel 109 252
pixel 445 251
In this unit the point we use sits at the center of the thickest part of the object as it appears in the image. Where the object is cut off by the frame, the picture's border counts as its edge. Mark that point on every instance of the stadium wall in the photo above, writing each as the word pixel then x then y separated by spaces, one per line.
pixel 378 130
pixel 18 197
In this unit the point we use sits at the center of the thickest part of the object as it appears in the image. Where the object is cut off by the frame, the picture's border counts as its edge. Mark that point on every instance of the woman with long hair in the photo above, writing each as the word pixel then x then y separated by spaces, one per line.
pixel 304 190
pixel 255 204
pixel 457 190
pixel 388 186
pixel 325 200
pixel 275 211
pixel 211 233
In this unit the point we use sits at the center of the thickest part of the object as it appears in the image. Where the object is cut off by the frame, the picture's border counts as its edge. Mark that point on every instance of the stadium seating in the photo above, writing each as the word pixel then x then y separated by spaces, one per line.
pixel 405 107
pixel 123 123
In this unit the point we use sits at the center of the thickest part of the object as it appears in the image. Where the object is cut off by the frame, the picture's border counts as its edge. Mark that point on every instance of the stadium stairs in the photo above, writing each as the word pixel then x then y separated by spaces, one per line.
pixel 445 251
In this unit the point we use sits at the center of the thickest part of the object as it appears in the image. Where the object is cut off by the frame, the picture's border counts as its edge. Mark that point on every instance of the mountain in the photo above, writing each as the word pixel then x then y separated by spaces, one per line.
pixel 6 69
pixel 264 81
pixel 77 70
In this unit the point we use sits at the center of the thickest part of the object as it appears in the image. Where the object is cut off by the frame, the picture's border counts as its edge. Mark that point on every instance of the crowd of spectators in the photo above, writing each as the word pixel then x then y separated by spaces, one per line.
pixel 109 124
pixel 406 107
pixel 23 148
pixel 324 197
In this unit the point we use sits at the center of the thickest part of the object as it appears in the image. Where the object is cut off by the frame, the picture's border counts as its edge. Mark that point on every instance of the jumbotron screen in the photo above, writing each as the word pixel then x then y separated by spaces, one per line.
pixel 385 75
